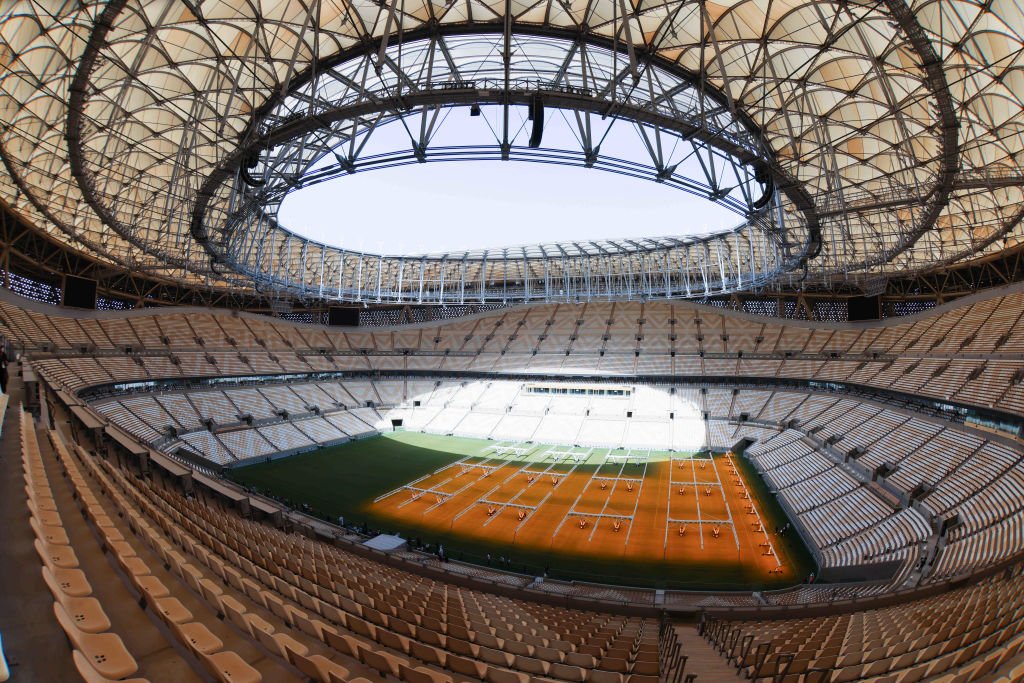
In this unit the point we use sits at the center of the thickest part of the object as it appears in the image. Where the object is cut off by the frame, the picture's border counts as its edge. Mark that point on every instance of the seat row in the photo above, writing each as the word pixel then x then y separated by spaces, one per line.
pixel 380 639
pixel 958 636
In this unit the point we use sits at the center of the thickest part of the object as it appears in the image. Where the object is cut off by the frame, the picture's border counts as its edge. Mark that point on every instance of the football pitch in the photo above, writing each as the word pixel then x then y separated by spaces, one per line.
pixel 634 517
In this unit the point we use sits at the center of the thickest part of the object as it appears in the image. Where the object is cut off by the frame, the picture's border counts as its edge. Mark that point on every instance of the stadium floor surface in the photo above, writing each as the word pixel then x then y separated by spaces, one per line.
pixel 458 481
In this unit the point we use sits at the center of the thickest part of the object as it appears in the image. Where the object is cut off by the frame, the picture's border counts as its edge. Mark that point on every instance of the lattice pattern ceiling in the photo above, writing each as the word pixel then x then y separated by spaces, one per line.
pixel 901 121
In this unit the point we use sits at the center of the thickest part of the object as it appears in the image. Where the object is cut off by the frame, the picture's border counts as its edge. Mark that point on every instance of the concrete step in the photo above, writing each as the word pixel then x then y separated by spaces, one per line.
pixel 701 658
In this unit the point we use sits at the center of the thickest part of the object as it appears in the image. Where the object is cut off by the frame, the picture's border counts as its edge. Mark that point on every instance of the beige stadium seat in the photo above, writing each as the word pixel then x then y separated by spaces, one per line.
pixel 581 660
pixel 565 672
pixel 48 517
pixel 462 647
pixel 90 675
pixel 334 615
pixel 85 612
pixel 257 624
pixel 531 665
pixel 393 641
pixel 228 667
pixel 495 657
pixel 427 653
pixel 197 637
pixel 150 586
pixel 337 679
pixel 280 643
pixel 211 592
pixel 467 667
pixel 599 676
pixel 54 535
pixel 316 667
pixel 70 580
pixel 383 662
pixel 43 503
pixel 104 651
pixel 614 664
pixel 645 668
pixel 517 647
pixel 57 555
pixel 171 610
pixel 343 643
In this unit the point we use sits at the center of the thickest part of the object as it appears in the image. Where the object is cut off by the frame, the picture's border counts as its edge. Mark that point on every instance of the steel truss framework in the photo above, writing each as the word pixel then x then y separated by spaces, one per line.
pixel 899 120
pixel 683 138
pixel 26 252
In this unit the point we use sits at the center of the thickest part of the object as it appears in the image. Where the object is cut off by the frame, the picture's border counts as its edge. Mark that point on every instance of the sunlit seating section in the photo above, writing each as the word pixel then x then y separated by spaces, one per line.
pixel 120 415
pixel 654 434
pixel 934 460
pixel 848 523
pixel 446 420
pixel 530 404
pixel 601 431
pixel 983 482
pixel 251 402
pixel 246 443
pixel 418 418
pixel 497 396
pixel 372 418
pixel 208 446
pixel 559 429
pixel 349 423
pixel 515 427
pixel 285 437
pixel 391 393
pixel 214 405
pixel 361 392
pixel 320 430
pixel 477 424
pixel 467 395
pixel 311 395
pixel 181 410
pixel 281 397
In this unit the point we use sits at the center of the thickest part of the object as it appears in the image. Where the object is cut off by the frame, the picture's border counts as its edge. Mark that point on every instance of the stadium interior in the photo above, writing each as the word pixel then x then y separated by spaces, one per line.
pixel 787 450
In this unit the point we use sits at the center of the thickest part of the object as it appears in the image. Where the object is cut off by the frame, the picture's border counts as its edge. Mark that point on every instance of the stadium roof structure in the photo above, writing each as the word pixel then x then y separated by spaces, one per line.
pixel 852 139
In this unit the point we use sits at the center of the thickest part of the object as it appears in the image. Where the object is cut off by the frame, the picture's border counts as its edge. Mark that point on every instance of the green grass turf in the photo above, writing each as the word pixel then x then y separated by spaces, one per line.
pixel 344 480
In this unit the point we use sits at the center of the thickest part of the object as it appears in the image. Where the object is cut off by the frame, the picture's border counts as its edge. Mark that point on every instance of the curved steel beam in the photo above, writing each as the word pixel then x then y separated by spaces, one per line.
pixel 255 140
pixel 73 132
pixel 935 80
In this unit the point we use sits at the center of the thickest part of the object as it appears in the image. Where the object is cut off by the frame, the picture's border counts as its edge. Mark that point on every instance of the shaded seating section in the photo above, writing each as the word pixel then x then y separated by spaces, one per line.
pixel 942 355
pixel 331 614
pixel 971 632
pixel 100 654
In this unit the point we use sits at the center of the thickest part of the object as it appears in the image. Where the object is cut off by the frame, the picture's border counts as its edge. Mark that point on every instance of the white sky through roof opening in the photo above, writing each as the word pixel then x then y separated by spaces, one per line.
pixel 440 207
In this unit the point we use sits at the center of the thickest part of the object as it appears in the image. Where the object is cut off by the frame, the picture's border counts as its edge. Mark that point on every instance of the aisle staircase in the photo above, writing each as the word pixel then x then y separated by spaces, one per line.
pixel 689 658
